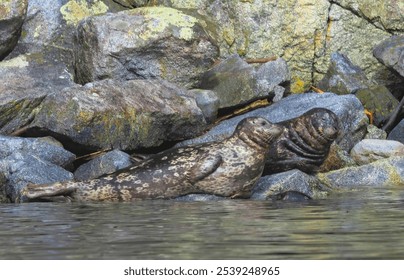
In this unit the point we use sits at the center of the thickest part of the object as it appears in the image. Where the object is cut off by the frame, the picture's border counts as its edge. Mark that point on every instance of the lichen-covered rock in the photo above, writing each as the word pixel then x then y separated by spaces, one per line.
pixel 12 15
pixel 271 187
pixel 352 35
pixel 390 52
pixel 236 82
pixel 343 77
pixel 386 15
pixel 132 3
pixel 397 133
pixel 373 132
pixel 370 150
pixel 125 115
pixel 24 82
pixel 207 101
pixel 149 42
pixel 379 101
pixel 384 172
pixel 104 164
pixel 21 169
pixel 46 149
pixel 347 107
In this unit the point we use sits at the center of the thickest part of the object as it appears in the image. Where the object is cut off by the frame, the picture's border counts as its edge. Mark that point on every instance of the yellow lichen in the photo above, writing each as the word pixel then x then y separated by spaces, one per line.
pixel 75 10
pixel 19 61
pixel 298 85
pixel 160 18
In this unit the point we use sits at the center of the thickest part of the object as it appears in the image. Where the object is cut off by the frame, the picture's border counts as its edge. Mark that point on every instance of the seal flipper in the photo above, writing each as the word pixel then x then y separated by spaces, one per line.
pixel 32 192
pixel 205 165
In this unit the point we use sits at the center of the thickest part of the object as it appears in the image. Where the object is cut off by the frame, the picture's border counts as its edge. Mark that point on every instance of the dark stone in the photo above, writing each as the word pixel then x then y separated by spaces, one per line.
pixel 104 164
pixel 379 101
pixel 343 77
pixel 397 133
pixel 391 53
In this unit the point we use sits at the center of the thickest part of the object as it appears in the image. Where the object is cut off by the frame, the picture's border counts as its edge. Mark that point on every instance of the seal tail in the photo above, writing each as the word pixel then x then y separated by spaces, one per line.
pixel 31 192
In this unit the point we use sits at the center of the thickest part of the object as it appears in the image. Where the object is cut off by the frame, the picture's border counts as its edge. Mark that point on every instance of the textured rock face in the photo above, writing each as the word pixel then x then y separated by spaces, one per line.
pixel 385 172
pixel 236 82
pixel 124 115
pixel 391 53
pixel 12 15
pixel 303 32
pixel 369 150
pixel 153 42
pixel 347 107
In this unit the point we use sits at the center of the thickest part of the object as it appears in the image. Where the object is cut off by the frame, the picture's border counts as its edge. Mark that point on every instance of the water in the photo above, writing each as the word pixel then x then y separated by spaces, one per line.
pixel 357 225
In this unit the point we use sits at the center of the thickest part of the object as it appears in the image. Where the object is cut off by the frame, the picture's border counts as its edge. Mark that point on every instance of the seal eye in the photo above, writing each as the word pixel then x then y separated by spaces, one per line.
pixel 263 123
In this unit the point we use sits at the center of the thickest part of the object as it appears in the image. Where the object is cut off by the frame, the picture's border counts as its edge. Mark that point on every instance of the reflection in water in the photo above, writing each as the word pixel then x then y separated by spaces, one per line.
pixel 366 224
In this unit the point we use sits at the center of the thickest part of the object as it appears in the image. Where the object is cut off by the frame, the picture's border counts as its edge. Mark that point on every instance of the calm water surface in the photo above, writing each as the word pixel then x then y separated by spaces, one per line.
pixel 365 225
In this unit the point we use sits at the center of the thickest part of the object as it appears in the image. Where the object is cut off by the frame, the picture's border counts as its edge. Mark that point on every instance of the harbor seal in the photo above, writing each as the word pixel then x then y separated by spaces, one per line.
pixel 305 142
pixel 229 168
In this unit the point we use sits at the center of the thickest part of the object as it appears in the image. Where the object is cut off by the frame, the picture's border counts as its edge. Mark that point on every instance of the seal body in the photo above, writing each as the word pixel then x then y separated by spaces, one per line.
pixel 229 168
pixel 305 142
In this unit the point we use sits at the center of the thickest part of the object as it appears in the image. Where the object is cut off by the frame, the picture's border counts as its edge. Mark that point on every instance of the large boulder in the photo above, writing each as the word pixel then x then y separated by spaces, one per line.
pixel 347 107
pixel 125 115
pixel 390 52
pixel 12 15
pixel 24 82
pixel 151 42
pixel 236 82
pixel 384 172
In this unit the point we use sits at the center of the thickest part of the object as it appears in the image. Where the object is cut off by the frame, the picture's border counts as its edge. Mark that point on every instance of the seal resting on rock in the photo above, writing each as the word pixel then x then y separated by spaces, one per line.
pixel 305 142
pixel 229 168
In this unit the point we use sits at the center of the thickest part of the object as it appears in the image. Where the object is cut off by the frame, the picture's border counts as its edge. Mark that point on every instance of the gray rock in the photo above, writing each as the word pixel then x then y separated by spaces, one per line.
pixel 347 107
pixel 3 182
pixel 132 3
pixel 379 101
pixel 369 150
pixel 207 101
pixel 104 164
pixel 12 15
pixel 149 42
pixel 384 172
pixel 46 149
pixel 236 82
pixel 390 52
pixel 397 133
pixel 24 82
pixel 373 132
pixel 273 186
pixel 343 77
pixel 125 115
pixel 21 169
pixel 200 197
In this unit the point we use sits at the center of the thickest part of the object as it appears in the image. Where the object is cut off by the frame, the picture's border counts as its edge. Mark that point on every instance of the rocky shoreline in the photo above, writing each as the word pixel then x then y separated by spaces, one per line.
pixel 113 78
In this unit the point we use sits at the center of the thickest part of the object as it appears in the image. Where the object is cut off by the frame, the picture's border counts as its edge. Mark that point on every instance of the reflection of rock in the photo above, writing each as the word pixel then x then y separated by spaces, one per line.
pixel 384 172
pixel 236 82
pixel 104 164
pixel 152 42
pixel 124 115
pixel 12 15
pixel 273 186
pixel 369 150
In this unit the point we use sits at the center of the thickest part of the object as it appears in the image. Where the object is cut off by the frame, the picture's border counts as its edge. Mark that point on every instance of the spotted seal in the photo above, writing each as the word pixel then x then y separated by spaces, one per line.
pixel 305 142
pixel 229 168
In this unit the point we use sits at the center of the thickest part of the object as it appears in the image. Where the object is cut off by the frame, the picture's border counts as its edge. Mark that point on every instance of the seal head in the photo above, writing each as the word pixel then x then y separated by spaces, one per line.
pixel 305 142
